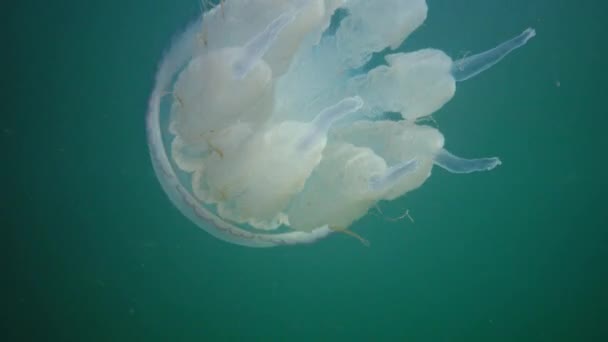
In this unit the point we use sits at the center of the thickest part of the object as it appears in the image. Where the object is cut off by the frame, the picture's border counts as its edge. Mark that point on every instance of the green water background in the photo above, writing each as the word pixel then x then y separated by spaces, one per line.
pixel 94 251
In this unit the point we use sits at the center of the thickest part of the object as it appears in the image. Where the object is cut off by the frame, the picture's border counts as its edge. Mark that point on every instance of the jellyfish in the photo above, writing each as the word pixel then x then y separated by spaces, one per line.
pixel 267 123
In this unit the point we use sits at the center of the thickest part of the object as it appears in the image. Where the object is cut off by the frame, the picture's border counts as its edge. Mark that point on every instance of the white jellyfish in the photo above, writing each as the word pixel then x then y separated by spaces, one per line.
pixel 266 127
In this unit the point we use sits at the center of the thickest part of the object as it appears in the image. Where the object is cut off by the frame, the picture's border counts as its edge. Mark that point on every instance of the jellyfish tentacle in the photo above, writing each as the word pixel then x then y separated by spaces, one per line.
pixel 255 48
pixel 364 241
pixel 323 121
pixel 468 67
pixel 455 164
pixel 392 175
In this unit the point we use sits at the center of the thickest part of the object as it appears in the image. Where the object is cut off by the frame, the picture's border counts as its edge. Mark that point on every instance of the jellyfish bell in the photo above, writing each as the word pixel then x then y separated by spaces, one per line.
pixel 265 128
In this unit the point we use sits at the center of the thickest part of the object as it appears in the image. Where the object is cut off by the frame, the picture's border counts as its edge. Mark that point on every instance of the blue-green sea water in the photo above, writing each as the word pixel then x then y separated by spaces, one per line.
pixel 94 251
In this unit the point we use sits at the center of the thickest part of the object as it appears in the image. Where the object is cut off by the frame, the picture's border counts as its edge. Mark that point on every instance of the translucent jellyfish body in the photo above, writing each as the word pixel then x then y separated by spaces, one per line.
pixel 266 127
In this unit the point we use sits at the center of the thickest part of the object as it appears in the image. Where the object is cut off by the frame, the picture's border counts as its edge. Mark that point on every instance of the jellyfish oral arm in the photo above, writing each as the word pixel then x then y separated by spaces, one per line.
pixel 454 164
pixel 468 67
pixel 392 175
pixel 258 45
pixel 324 120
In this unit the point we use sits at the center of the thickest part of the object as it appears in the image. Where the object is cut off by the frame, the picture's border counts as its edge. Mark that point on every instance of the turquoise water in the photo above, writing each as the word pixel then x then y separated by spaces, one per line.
pixel 95 251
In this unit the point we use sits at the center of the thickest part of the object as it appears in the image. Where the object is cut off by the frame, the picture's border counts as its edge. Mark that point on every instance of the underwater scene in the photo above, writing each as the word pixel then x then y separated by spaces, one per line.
pixel 386 170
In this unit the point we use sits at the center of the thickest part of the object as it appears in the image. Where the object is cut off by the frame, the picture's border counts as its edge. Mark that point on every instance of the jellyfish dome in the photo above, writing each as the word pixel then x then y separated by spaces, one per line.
pixel 267 124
